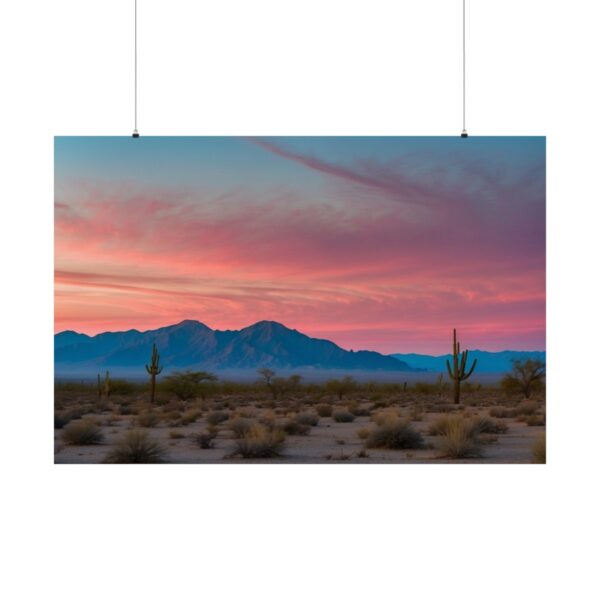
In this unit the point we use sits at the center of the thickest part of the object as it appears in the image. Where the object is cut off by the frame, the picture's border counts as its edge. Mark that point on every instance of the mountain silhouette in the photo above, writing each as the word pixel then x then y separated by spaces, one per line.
pixel 191 344
pixel 487 362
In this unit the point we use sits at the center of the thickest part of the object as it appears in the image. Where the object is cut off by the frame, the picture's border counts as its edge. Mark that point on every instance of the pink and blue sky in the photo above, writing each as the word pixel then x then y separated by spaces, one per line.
pixel 380 243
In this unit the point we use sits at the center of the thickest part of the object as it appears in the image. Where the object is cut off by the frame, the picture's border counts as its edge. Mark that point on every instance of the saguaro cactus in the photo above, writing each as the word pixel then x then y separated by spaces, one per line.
pixel 457 372
pixel 153 370
pixel 106 387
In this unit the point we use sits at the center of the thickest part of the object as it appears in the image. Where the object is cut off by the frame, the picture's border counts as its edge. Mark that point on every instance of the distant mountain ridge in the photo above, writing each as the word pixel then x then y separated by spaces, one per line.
pixel 487 362
pixel 191 344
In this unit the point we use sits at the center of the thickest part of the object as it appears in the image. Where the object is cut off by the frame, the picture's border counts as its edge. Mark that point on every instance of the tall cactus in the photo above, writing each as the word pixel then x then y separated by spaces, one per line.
pixel 457 372
pixel 107 385
pixel 153 370
pixel 104 386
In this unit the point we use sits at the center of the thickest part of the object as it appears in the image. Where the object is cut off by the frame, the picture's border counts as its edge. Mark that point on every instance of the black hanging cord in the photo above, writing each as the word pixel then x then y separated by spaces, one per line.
pixel 135 130
pixel 464 53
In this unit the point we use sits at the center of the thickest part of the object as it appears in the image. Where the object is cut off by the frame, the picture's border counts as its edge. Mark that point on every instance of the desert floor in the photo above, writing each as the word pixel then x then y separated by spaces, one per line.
pixel 175 426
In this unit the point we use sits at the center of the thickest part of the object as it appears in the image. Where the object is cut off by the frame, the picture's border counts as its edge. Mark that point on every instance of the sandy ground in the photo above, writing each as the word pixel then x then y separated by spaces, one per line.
pixel 328 442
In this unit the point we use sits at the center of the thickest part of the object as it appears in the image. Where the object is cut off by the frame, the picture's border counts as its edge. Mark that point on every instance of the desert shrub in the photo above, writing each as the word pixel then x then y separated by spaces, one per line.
pixel 206 439
pixel 308 418
pixel 485 425
pixel 395 434
pixel 187 384
pixel 136 446
pixel 357 410
pixel 421 387
pixel 341 387
pixel 525 409
pixel 60 420
pixel 190 416
pixel 538 450
pixel 380 403
pixel 294 427
pixel 82 433
pixel 176 435
pixel 363 433
pixel 122 387
pixel 125 409
pixel 535 420
pixel 385 415
pixel 442 425
pixel 460 439
pixel 324 410
pixel 502 413
pixel 148 419
pixel 343 416
pixel 240 426
pixel 260 442
pixel 246 413
pixel 216 417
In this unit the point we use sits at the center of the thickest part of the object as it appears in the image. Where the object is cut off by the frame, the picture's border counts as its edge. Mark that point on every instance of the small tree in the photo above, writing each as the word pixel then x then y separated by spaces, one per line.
pixel 186 384
pixel 268 375
pixel 341 387
pixel 295 382
pixel 526 377
pixel 153 370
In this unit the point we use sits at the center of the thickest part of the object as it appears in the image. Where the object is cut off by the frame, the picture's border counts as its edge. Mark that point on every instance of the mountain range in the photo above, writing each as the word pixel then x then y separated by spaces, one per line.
pixel 487 362
pixel 191 344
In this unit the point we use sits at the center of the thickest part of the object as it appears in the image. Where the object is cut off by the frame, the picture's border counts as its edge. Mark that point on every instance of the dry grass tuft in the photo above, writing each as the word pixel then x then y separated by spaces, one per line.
pixel 485 425
pixel 293 427
pixel 82 433
pixel 148 419
pixel 134 447
pixel 363 433
pixel 536 420
pixel 260 442
pixel 240 426
pixel 324 410
pixel 395 434
pixel 459 439
pixel 216 417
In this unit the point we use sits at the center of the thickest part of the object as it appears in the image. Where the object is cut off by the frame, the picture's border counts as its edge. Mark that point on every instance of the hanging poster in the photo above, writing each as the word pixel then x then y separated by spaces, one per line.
pixel 299 300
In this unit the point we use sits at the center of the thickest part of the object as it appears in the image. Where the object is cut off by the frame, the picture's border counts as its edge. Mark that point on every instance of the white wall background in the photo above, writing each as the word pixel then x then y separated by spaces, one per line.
pixel 298 67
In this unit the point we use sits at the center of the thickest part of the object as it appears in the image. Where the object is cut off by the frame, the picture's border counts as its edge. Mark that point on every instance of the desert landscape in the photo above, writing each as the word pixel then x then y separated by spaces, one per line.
pixel 299 300
pixel 194 418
